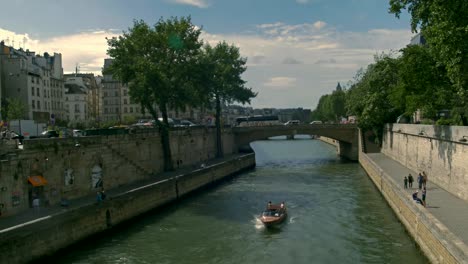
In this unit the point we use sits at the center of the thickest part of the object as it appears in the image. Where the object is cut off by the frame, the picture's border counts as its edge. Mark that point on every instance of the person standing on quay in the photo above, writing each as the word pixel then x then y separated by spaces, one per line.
pixel 424 178
pixel 424 196
pixel 420 181
pixel 410 180
pixel 405 181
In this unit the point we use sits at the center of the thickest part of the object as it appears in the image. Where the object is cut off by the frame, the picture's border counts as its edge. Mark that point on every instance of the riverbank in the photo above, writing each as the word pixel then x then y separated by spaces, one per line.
pixel 34 234
pixel 440 228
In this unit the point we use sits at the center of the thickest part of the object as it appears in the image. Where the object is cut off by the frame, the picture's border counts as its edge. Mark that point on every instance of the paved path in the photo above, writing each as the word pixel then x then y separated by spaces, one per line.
pixel 30 215
pixel 447 208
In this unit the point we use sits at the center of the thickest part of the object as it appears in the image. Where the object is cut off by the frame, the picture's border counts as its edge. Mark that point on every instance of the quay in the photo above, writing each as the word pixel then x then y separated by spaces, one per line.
pixel 32 234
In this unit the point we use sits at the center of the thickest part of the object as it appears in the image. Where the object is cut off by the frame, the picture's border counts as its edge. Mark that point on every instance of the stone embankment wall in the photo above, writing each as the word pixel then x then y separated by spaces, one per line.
pixel 74 166
pixel 434 239
pixel 440 151
pixel 330 141
pixel 47 235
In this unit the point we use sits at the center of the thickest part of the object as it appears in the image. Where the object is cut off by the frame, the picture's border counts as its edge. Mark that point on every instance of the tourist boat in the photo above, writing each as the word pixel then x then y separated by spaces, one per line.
pixel 274 214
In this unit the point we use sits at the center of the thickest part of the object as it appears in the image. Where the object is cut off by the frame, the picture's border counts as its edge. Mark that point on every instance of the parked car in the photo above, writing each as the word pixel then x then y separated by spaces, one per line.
pixel 77 133
pixel 292 122
pixel 316 122
pixel 185 123
pixel 49 134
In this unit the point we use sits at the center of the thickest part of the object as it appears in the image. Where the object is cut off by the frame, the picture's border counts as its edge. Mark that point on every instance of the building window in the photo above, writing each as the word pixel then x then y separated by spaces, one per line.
pixel 117 110
pixel 125 101
pixel 45 95
pixel 33 104
pixel 125 109
pixel 125 92
pixel 37 90
pixel 39 105
pixel 32 90
pixel 116 93
pixel 131 109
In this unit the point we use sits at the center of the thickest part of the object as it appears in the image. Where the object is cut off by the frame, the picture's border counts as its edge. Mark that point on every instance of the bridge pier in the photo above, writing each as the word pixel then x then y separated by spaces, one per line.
pixel 348 150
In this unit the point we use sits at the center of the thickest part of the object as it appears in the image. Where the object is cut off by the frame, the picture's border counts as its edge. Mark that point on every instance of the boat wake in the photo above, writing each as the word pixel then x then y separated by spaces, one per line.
pixel 292 219
pixel 257 223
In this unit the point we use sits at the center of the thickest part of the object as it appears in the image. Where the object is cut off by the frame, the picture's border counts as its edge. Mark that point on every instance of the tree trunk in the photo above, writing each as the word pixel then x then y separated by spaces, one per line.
pixel 165 139
pixel 219 142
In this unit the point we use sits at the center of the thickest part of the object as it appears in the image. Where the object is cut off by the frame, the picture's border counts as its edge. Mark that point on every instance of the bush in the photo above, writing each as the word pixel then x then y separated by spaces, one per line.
pixel 445 122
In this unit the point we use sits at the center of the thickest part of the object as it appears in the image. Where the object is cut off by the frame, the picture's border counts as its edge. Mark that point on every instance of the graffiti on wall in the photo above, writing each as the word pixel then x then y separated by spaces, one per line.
pixel 96 177
pixel 69 177
pixel 15 199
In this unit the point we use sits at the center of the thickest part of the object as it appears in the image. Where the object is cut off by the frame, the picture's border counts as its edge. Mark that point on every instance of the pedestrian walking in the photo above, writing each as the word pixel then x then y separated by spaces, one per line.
pixel 405 181
pixel 410 180
pixel 98 197
pixel 424 178
pixel 423 197
pixel 420 181
pixel 103 194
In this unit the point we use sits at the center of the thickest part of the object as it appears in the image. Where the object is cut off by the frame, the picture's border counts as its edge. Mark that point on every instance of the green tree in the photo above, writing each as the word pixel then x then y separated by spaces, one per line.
pixel 14 109
pixel 444 25
pixel 371 96
pixel 221 69
pixel 158 64
pixel 423 84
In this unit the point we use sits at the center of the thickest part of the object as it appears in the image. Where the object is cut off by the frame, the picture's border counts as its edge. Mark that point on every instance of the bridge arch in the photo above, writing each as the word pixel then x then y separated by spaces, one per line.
pixel 346 135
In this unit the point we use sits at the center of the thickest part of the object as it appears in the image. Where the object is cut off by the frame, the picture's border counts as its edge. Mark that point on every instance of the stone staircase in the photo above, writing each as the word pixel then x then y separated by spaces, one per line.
pixel 126 159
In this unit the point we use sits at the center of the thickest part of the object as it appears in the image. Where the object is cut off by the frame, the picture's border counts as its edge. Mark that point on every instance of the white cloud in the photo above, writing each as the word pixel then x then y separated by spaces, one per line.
pixel 197 3
pixel 319 24
pixel 280 82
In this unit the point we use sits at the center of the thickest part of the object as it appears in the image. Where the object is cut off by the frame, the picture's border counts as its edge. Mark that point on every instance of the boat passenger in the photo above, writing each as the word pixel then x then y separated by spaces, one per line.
pixel 282 205
pixel 269 205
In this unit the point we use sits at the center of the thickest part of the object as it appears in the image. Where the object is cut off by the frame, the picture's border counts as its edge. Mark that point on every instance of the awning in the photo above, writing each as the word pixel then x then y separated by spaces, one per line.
pixel 37 180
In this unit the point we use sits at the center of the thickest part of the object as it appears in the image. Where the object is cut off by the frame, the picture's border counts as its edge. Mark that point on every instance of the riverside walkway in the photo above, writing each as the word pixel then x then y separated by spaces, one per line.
pixel 447 208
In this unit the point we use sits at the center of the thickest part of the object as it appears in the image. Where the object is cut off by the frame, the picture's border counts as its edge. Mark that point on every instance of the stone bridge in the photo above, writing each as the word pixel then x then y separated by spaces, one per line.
pixel 345 135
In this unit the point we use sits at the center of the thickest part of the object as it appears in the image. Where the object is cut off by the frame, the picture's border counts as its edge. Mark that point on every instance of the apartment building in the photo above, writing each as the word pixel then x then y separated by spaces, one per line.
pixel 116 102
pixel 34 79
pixel 81 98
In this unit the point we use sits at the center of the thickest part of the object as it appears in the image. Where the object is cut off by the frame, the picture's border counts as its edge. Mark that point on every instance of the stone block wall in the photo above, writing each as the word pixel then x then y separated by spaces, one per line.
pixel 440 151
pixel 69 164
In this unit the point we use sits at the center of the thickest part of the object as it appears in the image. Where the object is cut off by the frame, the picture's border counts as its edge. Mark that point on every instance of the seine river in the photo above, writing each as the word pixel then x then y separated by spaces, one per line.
pixel 336 215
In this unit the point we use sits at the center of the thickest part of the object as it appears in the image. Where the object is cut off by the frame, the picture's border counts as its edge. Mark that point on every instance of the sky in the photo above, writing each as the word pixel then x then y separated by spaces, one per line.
pixel 296 50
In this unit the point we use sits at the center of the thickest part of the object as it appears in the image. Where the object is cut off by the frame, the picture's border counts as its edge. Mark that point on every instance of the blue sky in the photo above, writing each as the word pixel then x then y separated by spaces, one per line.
pixel 297 50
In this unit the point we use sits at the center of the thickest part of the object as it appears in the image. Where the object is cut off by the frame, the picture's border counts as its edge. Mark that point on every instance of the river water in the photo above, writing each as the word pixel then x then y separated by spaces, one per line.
pixel 336 215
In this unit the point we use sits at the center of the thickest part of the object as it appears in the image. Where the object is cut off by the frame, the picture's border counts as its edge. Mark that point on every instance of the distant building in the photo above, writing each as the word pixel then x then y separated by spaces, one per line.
pixel 88 84
pixel 76 104
pixel 36 80
pixel 418 39
pixel 338 87
pixel 116 102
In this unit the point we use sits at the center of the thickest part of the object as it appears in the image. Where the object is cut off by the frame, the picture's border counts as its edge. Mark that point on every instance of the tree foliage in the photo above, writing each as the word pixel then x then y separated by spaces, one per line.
pixel 371 96
pixel 444 25
pixel 14 109
pixel 158 64
pixel 221 68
